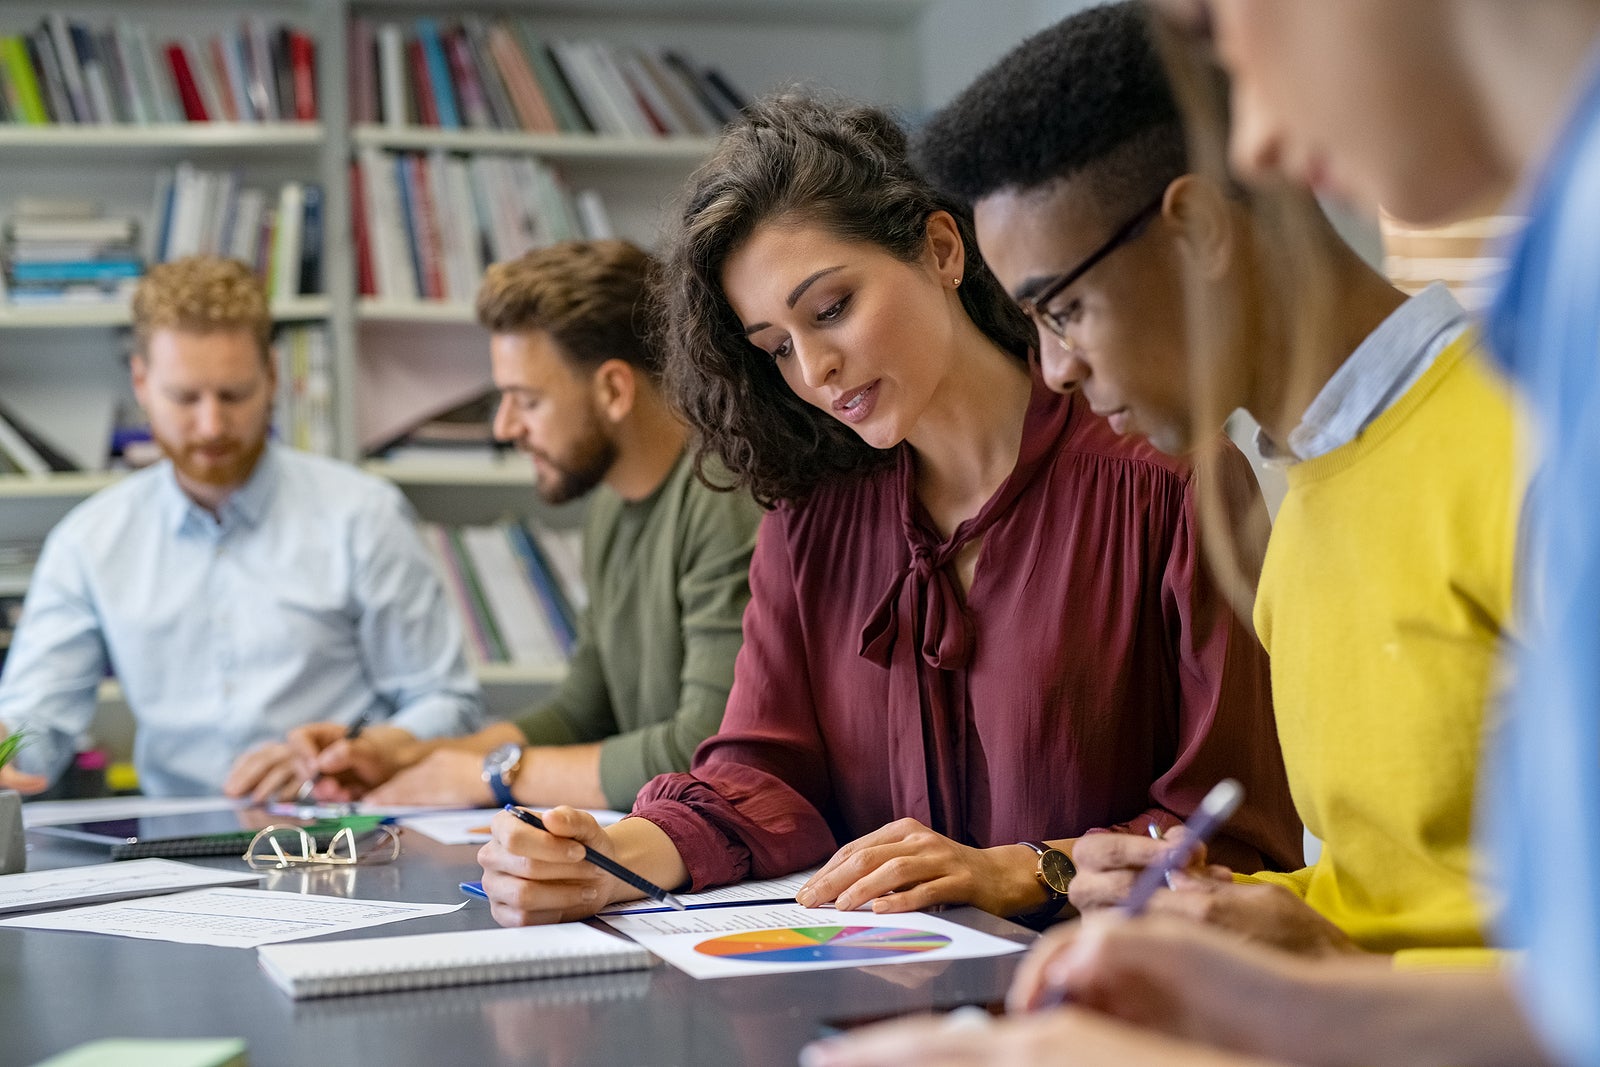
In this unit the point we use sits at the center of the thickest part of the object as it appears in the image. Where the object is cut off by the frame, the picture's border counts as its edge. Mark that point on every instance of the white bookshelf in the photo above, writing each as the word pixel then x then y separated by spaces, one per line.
pixel 884 51
pixel 512 472
pixel 298 309
pixel 74 486
pixel 163 137
pixel 371 309
pixel 588 148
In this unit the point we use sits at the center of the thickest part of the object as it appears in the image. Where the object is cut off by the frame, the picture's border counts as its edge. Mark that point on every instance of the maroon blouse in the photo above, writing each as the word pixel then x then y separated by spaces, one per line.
pixel 1092 677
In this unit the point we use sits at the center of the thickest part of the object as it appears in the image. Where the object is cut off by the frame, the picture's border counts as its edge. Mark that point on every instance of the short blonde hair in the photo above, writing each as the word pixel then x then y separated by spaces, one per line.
pixel 590 296
pixel 201 294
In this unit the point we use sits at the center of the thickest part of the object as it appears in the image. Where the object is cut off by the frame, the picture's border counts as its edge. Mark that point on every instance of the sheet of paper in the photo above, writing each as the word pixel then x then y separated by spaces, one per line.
pixel 765 891
pixel 37 890
pixel 340 811
pixel 62 812
pixel 472 827
pixel 230 918
pixel 722 942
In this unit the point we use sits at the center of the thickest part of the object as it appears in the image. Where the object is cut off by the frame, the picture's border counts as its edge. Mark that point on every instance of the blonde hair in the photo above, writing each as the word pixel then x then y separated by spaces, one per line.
pixel 201 294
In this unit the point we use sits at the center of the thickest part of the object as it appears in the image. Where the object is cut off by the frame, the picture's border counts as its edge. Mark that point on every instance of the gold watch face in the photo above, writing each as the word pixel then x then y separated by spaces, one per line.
pixel 1056 870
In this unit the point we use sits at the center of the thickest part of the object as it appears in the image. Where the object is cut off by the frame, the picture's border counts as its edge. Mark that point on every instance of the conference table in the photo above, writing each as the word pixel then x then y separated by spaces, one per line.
pixel 59 989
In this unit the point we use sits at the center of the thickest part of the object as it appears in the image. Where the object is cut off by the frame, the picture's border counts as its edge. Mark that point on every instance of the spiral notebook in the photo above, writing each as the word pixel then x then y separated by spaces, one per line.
pixel 460 957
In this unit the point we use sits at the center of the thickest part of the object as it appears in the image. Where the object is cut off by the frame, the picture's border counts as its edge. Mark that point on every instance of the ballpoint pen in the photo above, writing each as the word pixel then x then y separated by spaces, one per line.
pixel 1214 811
pixel 609 865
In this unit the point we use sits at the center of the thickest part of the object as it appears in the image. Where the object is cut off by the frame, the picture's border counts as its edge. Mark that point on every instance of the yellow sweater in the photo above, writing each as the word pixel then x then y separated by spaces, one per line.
pixel 1386 588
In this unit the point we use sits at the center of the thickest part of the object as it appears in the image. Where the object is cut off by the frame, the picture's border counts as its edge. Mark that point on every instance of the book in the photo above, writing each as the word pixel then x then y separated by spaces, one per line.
pixel 459 957
pixel 154 1052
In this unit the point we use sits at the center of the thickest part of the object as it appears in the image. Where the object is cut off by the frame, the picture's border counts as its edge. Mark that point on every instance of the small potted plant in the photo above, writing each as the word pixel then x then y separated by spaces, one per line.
pixel 13 845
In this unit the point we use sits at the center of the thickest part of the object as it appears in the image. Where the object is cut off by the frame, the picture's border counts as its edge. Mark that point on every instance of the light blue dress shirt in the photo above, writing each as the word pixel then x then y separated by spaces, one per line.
pixel 309 597
pixel 1544 819
pixel 1387 363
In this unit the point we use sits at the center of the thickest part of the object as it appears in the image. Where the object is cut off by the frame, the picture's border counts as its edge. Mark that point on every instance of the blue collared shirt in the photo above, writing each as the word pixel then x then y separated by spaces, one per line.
pixel 1384 365
pixel 1543 824
pixel 309 596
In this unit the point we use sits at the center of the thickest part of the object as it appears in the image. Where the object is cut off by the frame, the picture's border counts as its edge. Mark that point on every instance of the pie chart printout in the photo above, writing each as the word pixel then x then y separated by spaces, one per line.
pixel 822 944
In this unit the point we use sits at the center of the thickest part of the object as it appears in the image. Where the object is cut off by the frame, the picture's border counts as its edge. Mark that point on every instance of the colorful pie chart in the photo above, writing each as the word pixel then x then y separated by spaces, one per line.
pixel 822 944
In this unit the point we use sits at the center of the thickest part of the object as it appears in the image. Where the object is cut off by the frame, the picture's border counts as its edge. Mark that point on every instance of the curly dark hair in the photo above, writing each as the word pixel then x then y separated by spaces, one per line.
pixel 842 166
pixel 1086 97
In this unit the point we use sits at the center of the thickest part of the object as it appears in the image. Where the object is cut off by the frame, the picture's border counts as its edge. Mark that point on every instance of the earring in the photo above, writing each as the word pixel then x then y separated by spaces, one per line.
pixel 956 281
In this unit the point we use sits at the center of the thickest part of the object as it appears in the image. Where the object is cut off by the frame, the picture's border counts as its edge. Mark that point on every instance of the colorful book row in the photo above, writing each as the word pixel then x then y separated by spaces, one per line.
pixel 201 212
pixel 427 224
pixel 517 588
pixel 66 72
pixel 502 75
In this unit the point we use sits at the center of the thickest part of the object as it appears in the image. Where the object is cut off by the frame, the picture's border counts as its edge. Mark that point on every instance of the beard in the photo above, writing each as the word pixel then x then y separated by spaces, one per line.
pixel 232 467
pixel 583 467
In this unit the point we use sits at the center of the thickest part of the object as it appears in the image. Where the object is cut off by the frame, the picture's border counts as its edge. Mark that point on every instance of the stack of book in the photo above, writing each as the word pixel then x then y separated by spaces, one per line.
pixel 518 588
pixel 463 434
pixel 208 213
pixel 66 72
pixel 501 75
pixel 427 224
pixel 304 411
pixel 67 252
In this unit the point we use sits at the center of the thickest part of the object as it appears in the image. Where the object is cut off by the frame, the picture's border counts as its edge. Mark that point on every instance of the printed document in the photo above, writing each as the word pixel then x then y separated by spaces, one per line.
pixel 230 918
pixel 722 942
pixel 38 890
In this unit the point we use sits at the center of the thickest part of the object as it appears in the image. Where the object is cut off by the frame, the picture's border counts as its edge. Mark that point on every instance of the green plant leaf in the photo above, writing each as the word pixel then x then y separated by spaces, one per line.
pixel 9 746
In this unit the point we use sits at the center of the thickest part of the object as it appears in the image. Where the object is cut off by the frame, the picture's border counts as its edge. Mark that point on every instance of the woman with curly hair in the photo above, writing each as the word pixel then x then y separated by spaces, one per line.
pixel 979 624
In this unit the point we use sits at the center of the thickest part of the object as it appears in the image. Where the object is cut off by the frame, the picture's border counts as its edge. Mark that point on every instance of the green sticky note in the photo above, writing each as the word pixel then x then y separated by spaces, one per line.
pixel 140 1052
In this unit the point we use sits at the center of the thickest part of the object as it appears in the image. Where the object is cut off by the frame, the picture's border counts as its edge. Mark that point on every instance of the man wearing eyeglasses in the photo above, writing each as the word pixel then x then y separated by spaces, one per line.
pixel 1387 583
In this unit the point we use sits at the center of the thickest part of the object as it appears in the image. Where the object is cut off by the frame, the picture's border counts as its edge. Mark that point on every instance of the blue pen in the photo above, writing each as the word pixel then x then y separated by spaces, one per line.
pixel 474 889
pixel 609 865
pixel 1212 814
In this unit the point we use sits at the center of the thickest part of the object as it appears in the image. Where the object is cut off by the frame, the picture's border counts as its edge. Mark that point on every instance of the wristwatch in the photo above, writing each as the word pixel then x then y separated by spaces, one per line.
pixel 1054 872
pixel 500 770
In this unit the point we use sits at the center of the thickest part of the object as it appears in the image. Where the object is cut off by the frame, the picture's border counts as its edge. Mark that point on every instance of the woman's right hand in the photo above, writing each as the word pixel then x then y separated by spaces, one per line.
pixel 534 876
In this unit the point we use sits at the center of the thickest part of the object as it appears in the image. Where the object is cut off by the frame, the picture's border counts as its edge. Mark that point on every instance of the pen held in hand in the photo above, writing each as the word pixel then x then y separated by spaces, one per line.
pixel 609 865
pixel 1213 813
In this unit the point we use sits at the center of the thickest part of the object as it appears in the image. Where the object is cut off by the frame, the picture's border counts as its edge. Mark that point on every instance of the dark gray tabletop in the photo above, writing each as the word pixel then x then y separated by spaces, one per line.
pixel 59 989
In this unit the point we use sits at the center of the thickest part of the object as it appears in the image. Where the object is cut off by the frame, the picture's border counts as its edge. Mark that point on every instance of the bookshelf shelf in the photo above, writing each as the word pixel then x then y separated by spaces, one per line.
pixel 179 137
pixel 77 316
pixel 517 674
pixel 60 486
pixel 572 147
pixel 513 472
pixel 372 310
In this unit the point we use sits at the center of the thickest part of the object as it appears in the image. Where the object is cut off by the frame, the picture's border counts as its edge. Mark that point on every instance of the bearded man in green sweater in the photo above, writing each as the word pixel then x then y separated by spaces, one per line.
pixel 665 559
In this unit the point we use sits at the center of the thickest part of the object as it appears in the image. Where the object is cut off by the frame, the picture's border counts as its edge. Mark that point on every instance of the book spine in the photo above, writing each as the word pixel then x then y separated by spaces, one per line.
pixel 543 581
pixel 366 277
pixel 303 62
pixel 30 103
pixel 71 72
pixel 311 242
pixel 444 97
pixel 194 108
pixel 392 74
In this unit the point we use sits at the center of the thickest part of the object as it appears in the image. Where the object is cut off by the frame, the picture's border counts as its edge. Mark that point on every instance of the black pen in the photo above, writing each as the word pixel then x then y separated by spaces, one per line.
pixel 350 734
pixel 609 865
